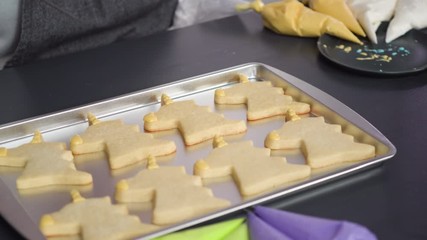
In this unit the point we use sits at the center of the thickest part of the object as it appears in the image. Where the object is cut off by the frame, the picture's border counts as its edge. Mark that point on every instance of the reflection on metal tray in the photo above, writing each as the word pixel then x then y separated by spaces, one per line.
pixel 23 209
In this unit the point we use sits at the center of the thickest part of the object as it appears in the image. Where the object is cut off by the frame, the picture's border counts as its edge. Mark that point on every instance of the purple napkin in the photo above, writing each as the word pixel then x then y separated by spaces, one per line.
pixel 301 227
pixel 260 230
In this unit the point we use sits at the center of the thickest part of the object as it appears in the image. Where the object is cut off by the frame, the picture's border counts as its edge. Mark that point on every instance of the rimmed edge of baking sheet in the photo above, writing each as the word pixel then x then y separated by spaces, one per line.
pixel 322 104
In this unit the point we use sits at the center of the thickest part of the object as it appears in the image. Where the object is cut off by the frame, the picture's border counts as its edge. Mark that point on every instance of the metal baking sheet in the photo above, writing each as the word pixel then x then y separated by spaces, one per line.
pixel 23 209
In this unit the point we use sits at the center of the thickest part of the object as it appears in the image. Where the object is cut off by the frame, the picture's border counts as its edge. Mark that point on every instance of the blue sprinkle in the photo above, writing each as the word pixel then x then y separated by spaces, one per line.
pixel 394 53
pixel 380 50
pixel 359 50
pixel 401 49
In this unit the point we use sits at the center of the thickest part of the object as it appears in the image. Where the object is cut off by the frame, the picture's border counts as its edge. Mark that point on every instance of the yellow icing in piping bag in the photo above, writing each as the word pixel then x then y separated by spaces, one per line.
pixel 339 10
pixel 291 17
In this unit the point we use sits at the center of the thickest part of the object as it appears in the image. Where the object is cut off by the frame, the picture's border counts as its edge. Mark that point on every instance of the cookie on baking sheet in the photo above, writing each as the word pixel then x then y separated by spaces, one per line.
pixel 44 163
pixel 176 195
pixel 253 169
pixel 124 144
pixel 196 123
pixel 322 144
pixel 93 219
pixel 262 99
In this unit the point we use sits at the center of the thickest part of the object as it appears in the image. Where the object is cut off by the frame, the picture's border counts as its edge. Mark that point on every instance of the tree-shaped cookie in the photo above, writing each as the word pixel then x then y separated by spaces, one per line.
pixel 262 99
pixel 176 195
pixel 322 144
pixel 93 219
pixel 45 163
pixel 124 144
pixel 253 169
pixel 196 123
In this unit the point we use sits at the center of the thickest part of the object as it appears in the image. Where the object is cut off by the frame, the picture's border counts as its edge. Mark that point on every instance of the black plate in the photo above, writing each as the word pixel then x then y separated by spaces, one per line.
pixel 408 53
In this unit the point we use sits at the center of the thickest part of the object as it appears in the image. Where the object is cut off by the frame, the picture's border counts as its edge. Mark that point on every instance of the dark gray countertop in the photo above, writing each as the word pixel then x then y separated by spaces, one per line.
pixel 389 200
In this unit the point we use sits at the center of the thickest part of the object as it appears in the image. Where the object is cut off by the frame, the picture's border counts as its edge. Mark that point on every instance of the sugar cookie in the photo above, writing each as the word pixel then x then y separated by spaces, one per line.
pixel 322 144
pixel 176 195
pixel 93 219
pixel 262 99
pixel 124 144
pixel 252 168
pixel 196 123
pixel 44 163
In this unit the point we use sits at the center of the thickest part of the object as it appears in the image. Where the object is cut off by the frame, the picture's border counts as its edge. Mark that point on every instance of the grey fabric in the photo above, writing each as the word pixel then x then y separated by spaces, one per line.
pixel 55 27
pixel 9 16
pixel 3 60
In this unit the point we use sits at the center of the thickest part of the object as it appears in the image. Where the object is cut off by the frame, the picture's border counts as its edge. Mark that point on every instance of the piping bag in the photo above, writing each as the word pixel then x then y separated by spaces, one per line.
pixel 339 10
pixel 290 17
pixel 371 13
pixel 407 15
